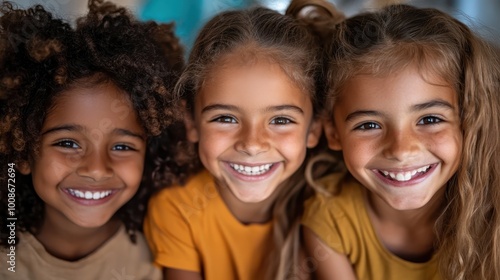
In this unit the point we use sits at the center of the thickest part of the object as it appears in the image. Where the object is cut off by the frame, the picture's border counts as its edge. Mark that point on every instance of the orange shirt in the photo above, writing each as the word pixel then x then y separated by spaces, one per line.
pixel 190 228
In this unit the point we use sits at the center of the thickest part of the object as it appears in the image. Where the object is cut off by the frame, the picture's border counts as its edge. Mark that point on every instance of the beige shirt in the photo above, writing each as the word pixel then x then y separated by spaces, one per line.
pixel 117 259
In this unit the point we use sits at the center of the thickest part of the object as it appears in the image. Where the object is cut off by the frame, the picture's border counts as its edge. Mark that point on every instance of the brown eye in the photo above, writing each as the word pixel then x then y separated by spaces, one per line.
pixel 224 119
pixel 430 120
pixel 69 144
pixel 367 126
pixel 122 147
pixel 281 121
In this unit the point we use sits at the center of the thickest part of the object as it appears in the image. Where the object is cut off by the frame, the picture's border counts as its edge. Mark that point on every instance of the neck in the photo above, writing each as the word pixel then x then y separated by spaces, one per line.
pixel 246 212
pixel 406 218
pixel 409 234
pixel 65 240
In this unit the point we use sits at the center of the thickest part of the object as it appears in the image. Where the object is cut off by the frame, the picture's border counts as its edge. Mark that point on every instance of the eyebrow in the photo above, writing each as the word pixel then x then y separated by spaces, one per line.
pixel 219 107
pixel 433 103
pixel 362 113
pixel 417 107
pixel 65 127
pixel 267 109
pixel 75 127
pixel 126 132
pixel 284 107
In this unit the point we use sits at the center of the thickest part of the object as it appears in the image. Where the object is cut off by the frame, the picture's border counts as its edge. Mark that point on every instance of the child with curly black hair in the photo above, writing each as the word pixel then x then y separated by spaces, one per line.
pixel 82 113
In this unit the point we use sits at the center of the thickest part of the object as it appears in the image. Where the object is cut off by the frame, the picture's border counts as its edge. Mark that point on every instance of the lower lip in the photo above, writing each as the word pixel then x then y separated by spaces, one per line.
pixel 411 182
pixel 253 178
pixel 90 202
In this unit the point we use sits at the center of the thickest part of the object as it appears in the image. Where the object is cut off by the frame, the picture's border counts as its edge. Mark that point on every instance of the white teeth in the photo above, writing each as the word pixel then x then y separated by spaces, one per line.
pixel 400 176
pixel 405 176
pixel 89 195
pixel 251 170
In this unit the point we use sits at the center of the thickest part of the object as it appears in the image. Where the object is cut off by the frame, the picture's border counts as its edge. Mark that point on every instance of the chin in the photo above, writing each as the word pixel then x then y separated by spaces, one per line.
pixel 252 197
pixel 407 205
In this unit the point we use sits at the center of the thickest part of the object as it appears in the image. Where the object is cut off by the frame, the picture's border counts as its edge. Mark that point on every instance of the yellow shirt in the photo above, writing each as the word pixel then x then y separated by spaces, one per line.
pixel 190 228
pixel 342 222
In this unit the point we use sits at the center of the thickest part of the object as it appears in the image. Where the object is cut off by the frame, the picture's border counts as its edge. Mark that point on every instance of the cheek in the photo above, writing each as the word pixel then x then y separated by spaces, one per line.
pixel 211 145
pixel 448 145
pixel 292 146
pixel 131 172
pixel 357 153
pixel 50 169
pixel 356 157
pixel 46 176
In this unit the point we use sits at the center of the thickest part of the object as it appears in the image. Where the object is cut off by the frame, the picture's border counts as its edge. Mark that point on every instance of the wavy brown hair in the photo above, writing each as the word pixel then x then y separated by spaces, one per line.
pixel 284 41
pixel 379 43
pixel 42 56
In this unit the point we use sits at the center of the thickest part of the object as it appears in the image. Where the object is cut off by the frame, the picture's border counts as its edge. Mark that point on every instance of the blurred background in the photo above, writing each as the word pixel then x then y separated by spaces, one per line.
pixel 483 16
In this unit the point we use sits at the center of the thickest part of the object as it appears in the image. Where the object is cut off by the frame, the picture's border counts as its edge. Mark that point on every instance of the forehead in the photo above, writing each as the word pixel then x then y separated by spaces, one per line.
pixel 93 106
pixel 428 59
pixel 251 53
pixel 406 87
pixel 258 83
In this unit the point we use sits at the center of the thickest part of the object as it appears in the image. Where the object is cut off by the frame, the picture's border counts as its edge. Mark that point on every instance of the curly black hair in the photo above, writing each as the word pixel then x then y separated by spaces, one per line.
pixel 42 56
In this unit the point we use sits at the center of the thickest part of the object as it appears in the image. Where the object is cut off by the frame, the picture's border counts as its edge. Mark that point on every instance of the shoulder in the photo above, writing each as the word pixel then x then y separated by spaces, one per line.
pixel 119 255
pixel 336 217
pixel 198 186
pixel 344 195
pixel 194 196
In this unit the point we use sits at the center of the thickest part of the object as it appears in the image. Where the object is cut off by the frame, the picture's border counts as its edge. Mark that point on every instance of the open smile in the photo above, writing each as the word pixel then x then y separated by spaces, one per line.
pixel 251 170
pixel 407 175
pixel 89 195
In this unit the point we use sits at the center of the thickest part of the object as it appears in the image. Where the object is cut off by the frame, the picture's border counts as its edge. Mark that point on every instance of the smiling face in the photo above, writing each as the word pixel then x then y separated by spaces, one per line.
pixel 253 126
pixel 400 135
pixel 91 156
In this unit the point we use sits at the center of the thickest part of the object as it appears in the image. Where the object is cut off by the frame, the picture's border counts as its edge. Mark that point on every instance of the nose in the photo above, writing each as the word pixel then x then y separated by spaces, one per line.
pixel 401 144
pixel 252 140
pixel 95 165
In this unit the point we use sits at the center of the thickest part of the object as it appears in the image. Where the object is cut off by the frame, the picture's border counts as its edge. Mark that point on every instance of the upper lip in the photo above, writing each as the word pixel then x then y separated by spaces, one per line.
pixel 249 164
pixel 91 188
pixel 404 169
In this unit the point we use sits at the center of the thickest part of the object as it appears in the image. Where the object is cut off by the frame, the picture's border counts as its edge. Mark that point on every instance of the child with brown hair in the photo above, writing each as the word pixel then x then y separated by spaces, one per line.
pixel 413 105
pixel 250 90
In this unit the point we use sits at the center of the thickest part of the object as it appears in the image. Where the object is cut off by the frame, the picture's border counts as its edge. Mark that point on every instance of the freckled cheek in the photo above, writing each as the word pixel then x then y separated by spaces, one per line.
pixel 213 144
pixel 358 155
pixel 292 145
pixel 447 145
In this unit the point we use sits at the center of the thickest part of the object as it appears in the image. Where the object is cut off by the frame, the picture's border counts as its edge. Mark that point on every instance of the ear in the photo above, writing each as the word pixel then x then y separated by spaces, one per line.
pixel 332 135
pixel 24 168
pixel 191 129
pixel 314 133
